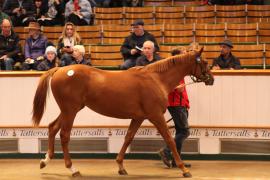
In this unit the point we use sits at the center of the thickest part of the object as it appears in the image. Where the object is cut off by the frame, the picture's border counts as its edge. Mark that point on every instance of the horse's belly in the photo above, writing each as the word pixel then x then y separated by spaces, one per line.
pixel 117 109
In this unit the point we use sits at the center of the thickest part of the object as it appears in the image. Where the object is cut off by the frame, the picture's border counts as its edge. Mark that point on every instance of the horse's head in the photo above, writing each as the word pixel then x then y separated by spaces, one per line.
pixel 201 71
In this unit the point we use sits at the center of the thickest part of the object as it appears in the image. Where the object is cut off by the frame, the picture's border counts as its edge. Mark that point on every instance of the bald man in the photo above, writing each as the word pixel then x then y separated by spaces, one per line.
pixel 148 54
pixel 9 46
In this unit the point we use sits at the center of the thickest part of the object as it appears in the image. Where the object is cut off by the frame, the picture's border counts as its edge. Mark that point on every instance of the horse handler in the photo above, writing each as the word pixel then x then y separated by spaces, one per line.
pixel 178 108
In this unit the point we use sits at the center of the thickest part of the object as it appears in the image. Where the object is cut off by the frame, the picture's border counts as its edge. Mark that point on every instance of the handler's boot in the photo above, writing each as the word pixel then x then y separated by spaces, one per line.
pixel 164 157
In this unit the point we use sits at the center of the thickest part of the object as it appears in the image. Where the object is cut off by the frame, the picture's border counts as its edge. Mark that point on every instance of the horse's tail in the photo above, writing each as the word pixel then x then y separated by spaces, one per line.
pixel 39 102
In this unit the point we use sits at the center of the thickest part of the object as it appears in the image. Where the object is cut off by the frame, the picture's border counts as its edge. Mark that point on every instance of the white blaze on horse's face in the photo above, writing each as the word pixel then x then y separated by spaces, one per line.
pixel 70 72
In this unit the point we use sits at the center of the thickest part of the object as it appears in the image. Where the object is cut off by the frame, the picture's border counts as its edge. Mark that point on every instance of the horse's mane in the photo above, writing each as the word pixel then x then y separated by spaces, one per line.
pixel 165 64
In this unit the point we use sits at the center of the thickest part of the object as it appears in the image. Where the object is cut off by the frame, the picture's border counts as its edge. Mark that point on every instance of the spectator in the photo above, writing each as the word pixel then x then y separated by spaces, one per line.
pixel 53 15
pixel 78 12
pixel 148 54
pixel 131 48
pixel 39 9
pixel 226 60
pixel 3 16
pixel 103 3
pixel 78 55
pixel 130 3
pixel 9 46
pixel 178 108
pixel 35 46
pixel 66 42
pixel 20 11
pixel 50 60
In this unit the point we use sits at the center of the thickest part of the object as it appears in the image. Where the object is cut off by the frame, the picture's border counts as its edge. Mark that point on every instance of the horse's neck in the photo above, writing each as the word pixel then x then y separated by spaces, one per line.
pixel 171 77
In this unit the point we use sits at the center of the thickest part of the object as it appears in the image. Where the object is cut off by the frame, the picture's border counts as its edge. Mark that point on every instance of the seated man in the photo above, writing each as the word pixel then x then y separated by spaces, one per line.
pixel 35 46
pixel 9 46
pixel 130 49
pixel 226 60
pixel 148 54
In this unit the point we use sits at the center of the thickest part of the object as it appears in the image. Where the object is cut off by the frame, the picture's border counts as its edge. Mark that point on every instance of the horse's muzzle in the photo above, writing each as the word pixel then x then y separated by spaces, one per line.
pixel 209 80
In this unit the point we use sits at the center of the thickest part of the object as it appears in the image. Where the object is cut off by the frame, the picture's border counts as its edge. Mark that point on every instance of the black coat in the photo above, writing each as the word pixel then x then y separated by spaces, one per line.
pixel 9 45
pixel 132 41
pixel 230 62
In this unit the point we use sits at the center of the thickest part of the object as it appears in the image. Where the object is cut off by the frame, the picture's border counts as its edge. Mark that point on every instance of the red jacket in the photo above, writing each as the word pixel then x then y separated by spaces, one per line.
pixel 179 99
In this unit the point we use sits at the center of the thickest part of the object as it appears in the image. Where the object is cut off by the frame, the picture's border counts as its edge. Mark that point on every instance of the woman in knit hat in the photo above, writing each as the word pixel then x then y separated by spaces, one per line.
pixel 50 60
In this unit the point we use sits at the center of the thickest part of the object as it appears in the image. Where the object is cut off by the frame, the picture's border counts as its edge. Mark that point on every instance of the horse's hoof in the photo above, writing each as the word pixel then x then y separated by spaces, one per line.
pixel 42 164
pixel 187 175
pixel 77 174
pixel 122 172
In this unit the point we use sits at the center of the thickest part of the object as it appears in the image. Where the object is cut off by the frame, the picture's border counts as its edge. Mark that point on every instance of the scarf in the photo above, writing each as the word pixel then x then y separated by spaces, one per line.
pixel 76 5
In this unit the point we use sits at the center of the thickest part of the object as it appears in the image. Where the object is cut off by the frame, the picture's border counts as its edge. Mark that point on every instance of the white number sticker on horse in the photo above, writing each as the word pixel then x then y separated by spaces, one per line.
pixel 70 73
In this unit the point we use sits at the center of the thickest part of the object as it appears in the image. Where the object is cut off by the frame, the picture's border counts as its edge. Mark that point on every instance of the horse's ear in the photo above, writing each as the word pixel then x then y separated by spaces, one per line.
pixel 201 50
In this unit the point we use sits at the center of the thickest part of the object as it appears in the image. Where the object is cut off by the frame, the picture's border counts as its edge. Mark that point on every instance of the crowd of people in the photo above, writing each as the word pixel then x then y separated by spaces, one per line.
pixel 38 52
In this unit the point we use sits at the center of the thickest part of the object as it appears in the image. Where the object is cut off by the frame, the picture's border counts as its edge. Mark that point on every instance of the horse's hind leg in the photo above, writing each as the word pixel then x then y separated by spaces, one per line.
pixel 53 129
pixel 133 127
pixel 162 127
pixel 67 120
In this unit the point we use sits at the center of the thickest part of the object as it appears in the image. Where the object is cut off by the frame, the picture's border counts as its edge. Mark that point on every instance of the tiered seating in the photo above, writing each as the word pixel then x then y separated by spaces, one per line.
pixel 184 14
pixel 23 34
pixel 109 15
pixel 249 55
pixel 264 32
pixel 156 30
pixel 178 33
pixel 170 15
pixel 115 34
pixel 242 33
pixel 165 51
pixel 90 34
pixel 231 14
pixel 53 33
pixel 257 13
pixel 267 55
pixel 211 52
pixel 145 13
pixel 199 14
pixel 106 55
pixel 209 33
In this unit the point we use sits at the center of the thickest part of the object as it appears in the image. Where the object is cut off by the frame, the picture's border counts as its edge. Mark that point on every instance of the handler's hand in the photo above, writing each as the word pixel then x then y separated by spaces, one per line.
pixel 216 68
pixel 180 88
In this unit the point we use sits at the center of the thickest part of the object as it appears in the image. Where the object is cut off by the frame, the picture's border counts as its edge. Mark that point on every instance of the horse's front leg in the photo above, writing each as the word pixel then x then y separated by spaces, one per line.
pixel 162 127
pixel 53 129
pixel 66 126
pixel 133 127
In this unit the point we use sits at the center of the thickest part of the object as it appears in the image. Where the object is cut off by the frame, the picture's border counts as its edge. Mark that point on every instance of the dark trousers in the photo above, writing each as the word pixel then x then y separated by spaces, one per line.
pixel 180 118
pixel 76 20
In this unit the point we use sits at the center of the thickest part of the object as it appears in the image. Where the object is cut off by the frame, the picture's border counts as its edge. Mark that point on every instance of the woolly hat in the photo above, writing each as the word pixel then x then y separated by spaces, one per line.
pixel 80 48
pixel 51 49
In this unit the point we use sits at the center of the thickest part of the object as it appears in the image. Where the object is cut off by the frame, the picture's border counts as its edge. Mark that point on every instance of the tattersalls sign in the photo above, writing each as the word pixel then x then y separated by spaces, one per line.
pixel 142 132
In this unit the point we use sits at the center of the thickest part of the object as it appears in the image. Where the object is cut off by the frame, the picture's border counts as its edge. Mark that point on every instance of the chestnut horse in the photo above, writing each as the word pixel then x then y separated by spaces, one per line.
pixel 138 93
